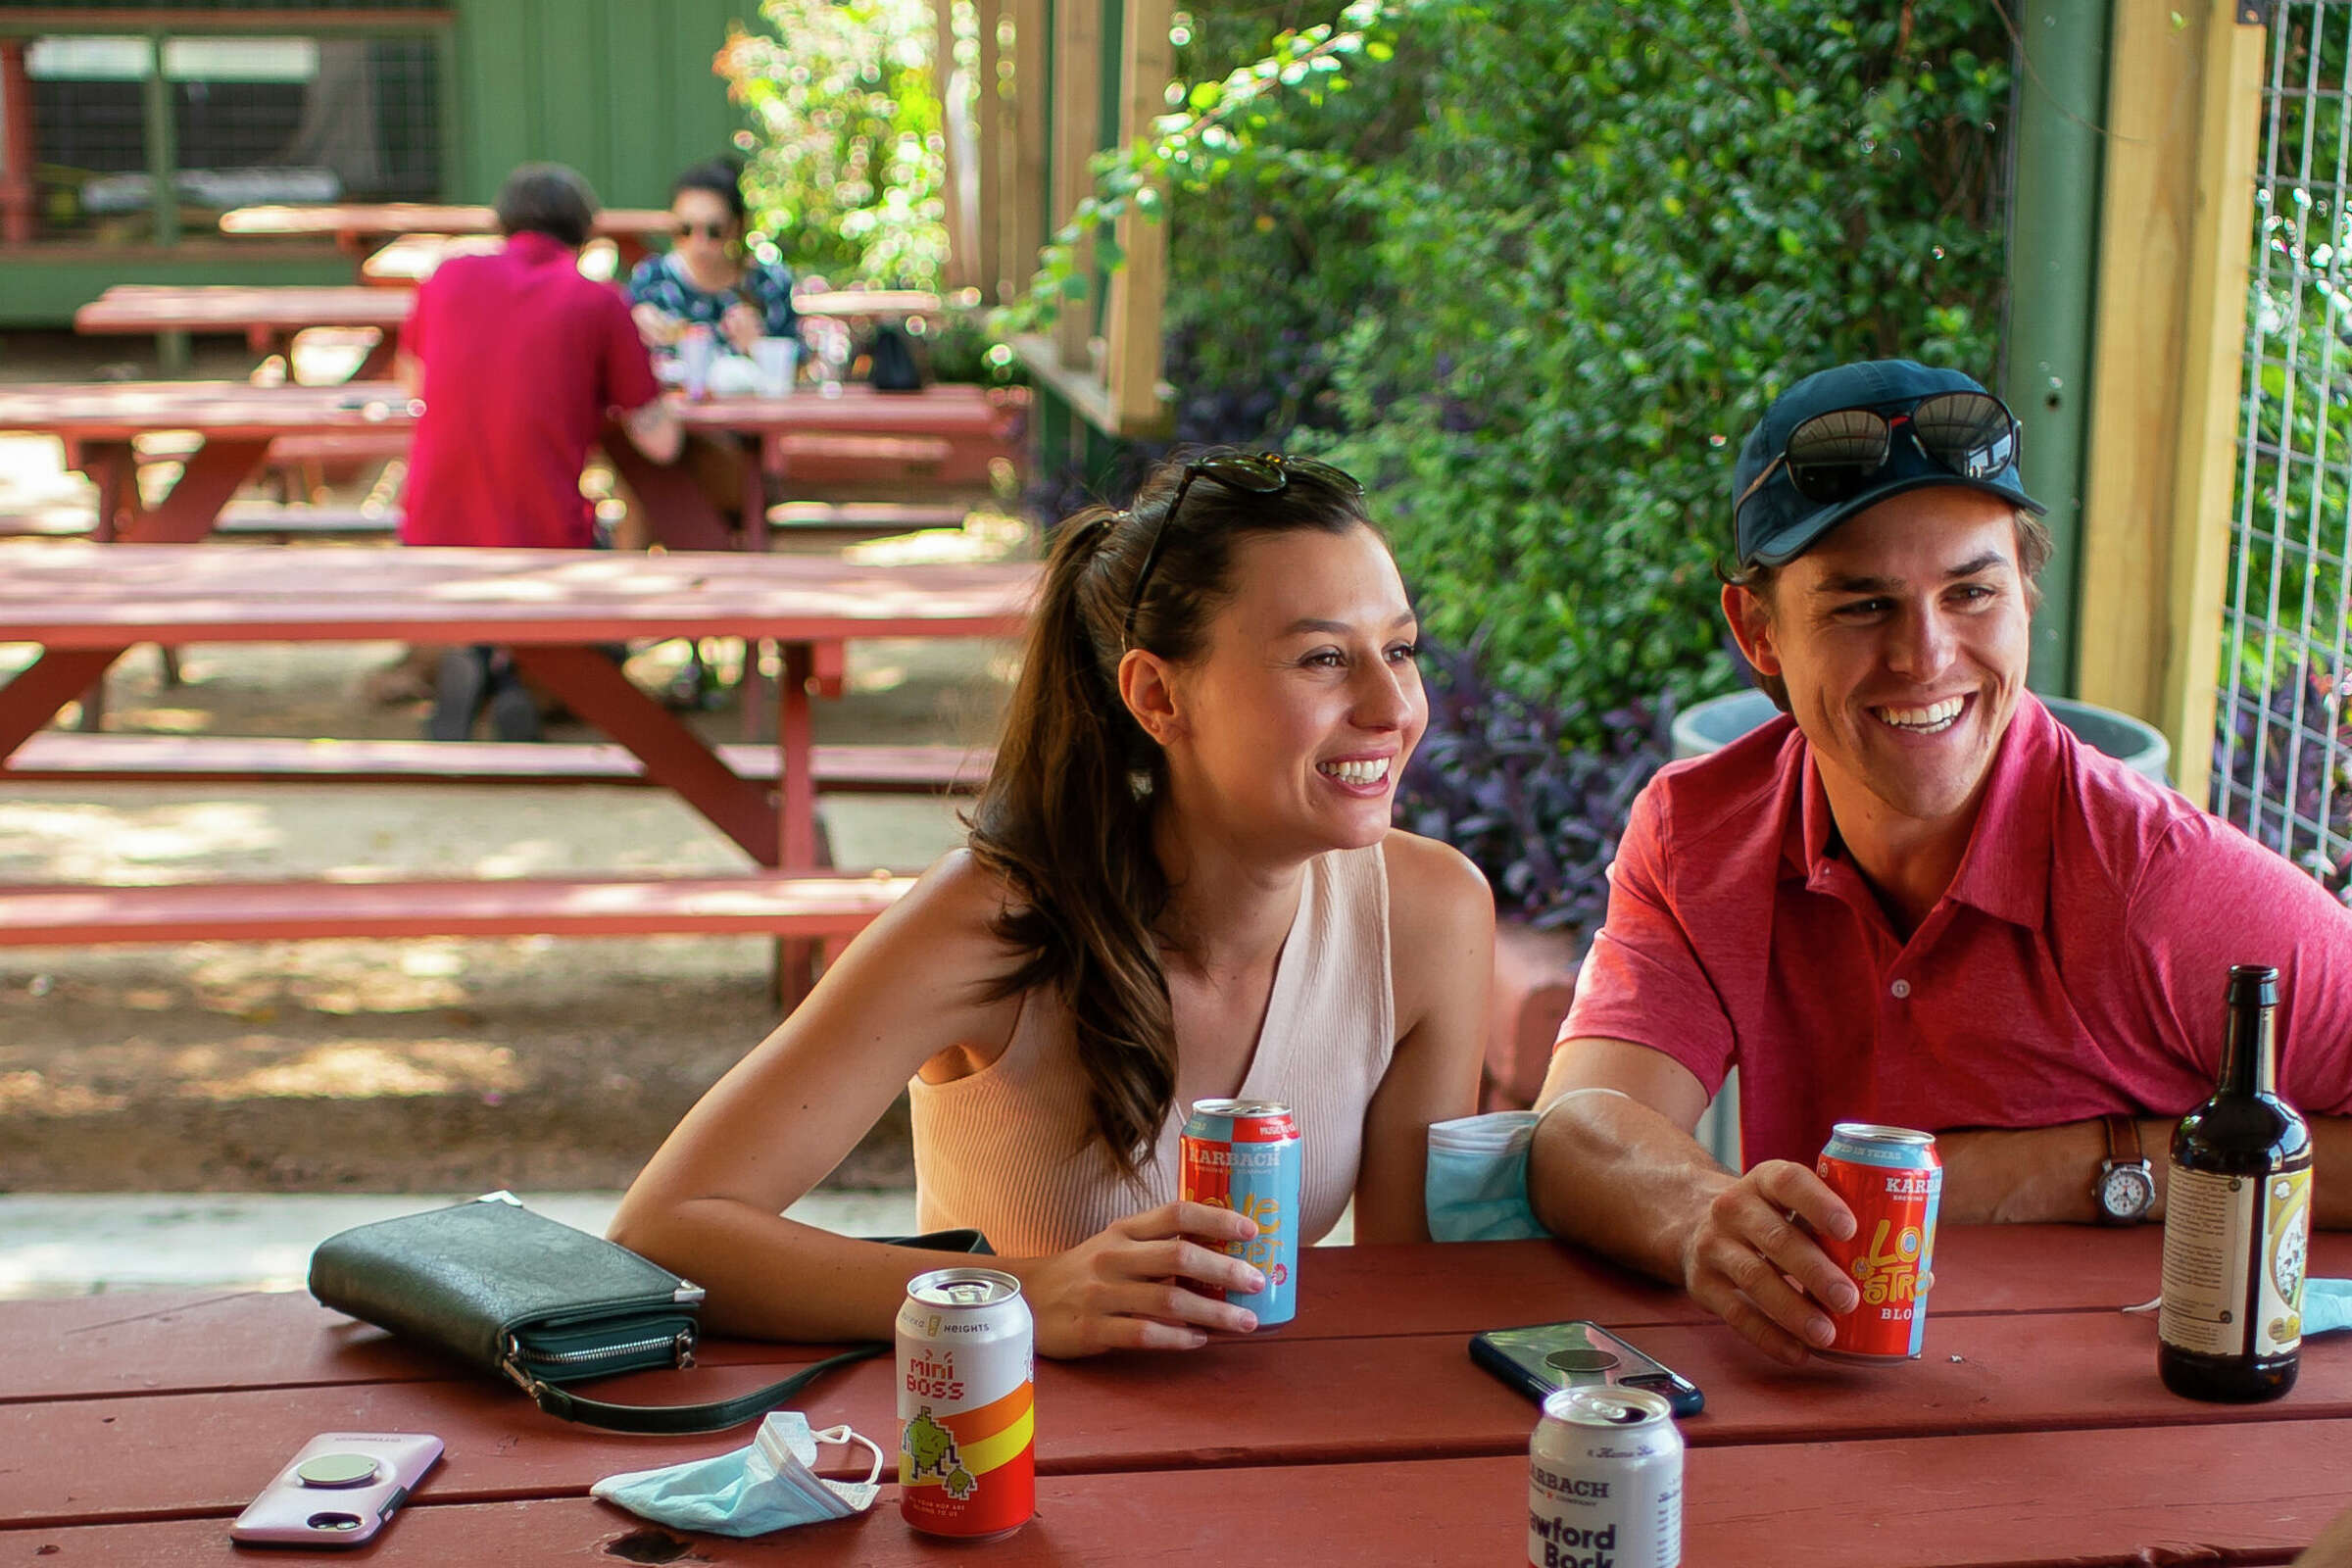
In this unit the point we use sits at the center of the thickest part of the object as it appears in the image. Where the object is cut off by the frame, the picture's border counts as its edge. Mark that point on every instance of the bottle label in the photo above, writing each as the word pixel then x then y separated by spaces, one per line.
pixel 2217 1229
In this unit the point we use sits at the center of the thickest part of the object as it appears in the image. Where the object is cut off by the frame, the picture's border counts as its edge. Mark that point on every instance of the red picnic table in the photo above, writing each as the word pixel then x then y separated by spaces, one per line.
pixel 85 604
pixel 360 227
pixel 269 317
pixel 2032 1432
pixel 238 423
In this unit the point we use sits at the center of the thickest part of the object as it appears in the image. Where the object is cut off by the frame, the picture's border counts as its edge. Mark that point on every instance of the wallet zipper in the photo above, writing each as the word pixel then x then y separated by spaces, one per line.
pixel 680 1344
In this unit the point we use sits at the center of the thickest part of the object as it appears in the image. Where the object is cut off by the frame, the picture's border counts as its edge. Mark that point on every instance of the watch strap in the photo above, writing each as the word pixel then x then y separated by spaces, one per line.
pixel 2123 1140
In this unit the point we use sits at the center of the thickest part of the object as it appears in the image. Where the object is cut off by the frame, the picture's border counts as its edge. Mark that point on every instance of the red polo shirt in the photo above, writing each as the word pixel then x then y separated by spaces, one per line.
pixel 2075 967
pixel 522 359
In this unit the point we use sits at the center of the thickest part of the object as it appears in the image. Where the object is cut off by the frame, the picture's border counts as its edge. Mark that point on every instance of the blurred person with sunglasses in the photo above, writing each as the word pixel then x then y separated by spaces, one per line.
pixel 706 278
pixel 1180 883
pixel 1913 898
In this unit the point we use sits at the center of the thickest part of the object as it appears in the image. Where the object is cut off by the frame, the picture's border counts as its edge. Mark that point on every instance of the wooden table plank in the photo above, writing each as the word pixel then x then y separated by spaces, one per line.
pixel 1262 1400
pixel 76 594
pixel 373 220
pixel 2242 1495
pixel 241 308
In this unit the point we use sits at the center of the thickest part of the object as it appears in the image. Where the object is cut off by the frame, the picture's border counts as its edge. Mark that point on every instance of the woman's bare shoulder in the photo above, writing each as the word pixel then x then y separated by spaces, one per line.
pixel 1431 881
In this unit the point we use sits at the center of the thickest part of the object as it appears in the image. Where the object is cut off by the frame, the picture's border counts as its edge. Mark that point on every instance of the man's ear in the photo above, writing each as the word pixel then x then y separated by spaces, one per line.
pixel 1750 618
pixel 1148 686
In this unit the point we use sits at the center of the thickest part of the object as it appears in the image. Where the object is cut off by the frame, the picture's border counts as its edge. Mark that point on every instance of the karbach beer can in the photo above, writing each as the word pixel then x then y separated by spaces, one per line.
pixel 968 1451
pixel 1245 1155
pixel 1604 1482
pixel 1892 1181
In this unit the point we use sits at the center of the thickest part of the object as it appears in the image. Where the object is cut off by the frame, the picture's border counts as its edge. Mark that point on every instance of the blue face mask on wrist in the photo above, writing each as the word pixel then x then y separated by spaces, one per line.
pixel 769 1485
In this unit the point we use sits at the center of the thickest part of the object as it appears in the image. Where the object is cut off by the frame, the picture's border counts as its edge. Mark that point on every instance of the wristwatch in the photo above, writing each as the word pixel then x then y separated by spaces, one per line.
pixel 2127 1186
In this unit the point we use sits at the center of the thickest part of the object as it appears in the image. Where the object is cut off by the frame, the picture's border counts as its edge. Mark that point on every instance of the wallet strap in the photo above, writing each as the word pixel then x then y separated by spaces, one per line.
pixel 715 1416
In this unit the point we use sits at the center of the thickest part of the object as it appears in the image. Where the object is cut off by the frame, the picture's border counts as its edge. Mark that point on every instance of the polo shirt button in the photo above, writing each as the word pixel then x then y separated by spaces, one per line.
pixel 1902 989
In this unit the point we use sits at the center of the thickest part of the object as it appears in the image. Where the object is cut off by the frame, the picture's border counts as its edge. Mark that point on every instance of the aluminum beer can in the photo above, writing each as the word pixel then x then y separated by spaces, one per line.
pixel 968 1451
pixel 1245 1155
pixel 1892 1181
pixel 1604 1482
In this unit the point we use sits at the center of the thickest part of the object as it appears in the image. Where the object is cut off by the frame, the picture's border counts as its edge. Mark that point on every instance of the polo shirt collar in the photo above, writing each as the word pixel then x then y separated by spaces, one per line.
pixel 534 249
pixel 2005 870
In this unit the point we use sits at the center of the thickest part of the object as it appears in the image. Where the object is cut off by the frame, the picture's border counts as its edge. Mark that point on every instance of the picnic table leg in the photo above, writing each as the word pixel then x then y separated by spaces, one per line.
pixel 213 473
pixel 113 467
pixel 675 757
pixel 796 740
pixel 377 365
pixel 32 699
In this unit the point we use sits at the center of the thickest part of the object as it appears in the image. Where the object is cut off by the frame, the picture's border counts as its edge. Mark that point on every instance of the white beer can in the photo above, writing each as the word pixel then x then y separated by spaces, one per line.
pixel 1604 1482
pixel 967 1449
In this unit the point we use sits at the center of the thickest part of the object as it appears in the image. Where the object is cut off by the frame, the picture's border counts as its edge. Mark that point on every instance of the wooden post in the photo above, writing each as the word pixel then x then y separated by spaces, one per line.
pixel 960 270
pixel 18 194
pixel 992 135
pixel 2183 117
pixel 1130 320
pixel 1030 103
pixel 1077 118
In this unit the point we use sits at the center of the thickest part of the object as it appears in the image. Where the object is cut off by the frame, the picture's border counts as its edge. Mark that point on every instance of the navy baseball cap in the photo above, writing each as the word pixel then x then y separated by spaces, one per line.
pixel 1776 524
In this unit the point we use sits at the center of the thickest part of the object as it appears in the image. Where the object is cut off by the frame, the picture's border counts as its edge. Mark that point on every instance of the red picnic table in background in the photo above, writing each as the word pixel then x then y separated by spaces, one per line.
pixel 960 430
pixel 85 604
pixel 361 227
pixel 2034 1430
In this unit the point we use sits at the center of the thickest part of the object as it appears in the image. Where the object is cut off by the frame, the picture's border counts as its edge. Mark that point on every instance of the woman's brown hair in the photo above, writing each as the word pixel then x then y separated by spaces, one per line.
pixel 1066 815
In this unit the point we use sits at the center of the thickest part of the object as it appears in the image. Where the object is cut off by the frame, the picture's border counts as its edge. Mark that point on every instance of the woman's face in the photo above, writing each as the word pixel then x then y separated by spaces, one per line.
pixel 1294 724
pixel 703 227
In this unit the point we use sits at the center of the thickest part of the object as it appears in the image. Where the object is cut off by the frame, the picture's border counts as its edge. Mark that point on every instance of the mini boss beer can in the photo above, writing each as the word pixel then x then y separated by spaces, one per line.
pixel 1892 1181
pixel 1604 1482
pixel 1245 1155
pixel 967 1456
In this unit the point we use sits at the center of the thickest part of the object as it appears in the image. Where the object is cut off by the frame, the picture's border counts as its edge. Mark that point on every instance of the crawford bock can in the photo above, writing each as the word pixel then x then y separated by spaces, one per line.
pixel 1604 1482
pixel 968 1451
pixel 1245 1155
pixel 1892 1181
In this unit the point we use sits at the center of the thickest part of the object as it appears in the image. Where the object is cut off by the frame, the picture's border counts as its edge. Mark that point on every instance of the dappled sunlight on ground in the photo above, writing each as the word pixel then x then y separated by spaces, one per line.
pixel 62 840
pixel 359 1069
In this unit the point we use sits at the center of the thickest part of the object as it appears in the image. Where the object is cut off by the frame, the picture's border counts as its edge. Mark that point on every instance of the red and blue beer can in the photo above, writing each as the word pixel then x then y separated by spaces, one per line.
pixel 1245 1155
pixel 1892 1180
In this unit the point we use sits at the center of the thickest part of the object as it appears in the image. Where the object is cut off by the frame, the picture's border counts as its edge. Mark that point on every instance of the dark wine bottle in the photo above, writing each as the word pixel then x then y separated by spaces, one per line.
pixel 2238 1221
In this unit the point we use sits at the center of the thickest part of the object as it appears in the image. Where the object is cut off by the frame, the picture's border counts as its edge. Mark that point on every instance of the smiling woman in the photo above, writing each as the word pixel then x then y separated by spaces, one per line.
pixel 1181 884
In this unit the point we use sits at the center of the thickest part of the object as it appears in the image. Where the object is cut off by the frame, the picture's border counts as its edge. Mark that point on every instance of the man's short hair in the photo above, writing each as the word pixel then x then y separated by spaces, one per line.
pixel 551 199
pixel 2033 554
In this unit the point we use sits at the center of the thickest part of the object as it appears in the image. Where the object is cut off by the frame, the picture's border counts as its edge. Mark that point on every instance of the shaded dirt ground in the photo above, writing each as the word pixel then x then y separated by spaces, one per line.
pixel 394 1066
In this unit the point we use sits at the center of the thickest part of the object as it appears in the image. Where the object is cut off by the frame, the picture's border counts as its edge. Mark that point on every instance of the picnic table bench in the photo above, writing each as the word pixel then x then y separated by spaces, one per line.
pixel 2032 1432
pixel 238 426
pixel 85 604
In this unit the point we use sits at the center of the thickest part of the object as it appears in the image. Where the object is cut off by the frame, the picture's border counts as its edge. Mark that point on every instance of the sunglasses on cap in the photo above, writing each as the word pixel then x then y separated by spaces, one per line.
pixel 1835 456
pixel 685 230
pixel 1266 474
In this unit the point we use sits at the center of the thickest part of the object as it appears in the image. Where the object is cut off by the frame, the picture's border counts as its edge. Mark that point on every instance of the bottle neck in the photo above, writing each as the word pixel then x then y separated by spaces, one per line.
pixel 2249 1059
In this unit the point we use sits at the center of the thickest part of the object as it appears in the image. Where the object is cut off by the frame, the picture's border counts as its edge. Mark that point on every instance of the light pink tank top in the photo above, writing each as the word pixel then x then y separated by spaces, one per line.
pixel 1008 1149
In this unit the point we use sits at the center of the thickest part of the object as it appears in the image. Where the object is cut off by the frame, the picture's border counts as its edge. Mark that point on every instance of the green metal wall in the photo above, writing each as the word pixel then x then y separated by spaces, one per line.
pixel 623 91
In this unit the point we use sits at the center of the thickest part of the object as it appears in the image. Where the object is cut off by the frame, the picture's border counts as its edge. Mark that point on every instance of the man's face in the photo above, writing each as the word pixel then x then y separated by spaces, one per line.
pixel 1902 638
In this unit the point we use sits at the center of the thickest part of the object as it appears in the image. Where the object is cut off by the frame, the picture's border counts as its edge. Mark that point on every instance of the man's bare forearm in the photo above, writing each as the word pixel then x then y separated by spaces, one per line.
pixel 1610 1172
pixel 2044 1175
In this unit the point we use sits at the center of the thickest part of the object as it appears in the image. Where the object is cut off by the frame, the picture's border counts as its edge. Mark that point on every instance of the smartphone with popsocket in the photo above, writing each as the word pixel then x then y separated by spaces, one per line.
pixel 1548 1356
pixel 338 1490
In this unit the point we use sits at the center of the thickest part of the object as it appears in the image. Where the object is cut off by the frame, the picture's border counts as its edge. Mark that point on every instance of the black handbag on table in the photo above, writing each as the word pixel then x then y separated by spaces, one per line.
pixel 537 1302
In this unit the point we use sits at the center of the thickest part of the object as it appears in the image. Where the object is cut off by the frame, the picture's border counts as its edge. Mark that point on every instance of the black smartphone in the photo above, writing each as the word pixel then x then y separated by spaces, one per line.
pixel 1548 1356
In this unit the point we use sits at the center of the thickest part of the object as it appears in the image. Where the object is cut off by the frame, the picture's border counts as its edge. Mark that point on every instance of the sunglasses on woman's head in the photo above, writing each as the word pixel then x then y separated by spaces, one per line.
pixel 684 230
pixel 1835 457
pixel 1266 474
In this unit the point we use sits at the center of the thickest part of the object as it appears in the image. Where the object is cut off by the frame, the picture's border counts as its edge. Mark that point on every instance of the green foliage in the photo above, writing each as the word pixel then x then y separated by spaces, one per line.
pixel 1531 268
pixel 846 170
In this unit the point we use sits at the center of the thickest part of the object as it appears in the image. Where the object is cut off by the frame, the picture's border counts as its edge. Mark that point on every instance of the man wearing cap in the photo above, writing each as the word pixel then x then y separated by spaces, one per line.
pixel 1915 900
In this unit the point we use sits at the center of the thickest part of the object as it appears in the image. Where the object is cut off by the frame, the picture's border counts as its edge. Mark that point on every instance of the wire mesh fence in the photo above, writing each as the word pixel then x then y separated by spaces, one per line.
pixel 2282 750
pixel 279 119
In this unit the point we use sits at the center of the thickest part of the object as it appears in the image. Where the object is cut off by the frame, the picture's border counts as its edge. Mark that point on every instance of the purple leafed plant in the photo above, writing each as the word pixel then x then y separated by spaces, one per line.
pixel 1495 778
pixel 2275 760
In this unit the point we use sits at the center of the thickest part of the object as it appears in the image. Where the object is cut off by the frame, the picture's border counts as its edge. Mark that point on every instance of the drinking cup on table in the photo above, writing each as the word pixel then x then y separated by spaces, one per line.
pixel 778 359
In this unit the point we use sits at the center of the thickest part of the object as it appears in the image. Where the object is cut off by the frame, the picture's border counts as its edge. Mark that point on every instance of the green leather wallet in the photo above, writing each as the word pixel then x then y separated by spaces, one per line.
pixel 539 1303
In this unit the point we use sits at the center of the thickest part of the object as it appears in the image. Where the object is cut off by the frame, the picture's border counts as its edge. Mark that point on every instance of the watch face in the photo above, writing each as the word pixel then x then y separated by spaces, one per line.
pixel 2126 1191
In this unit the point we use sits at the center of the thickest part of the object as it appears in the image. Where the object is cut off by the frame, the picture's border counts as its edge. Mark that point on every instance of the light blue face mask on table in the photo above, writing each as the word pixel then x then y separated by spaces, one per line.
pixel 753 1490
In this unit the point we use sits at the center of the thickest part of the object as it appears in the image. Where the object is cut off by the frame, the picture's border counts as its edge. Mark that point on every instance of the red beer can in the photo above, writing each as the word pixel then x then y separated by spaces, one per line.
pixel 1892 1181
